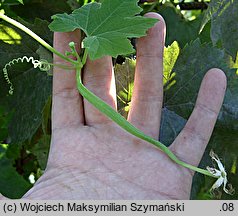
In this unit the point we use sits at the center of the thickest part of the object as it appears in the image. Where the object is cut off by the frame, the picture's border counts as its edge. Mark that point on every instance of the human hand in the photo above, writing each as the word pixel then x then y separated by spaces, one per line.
pixel 93 158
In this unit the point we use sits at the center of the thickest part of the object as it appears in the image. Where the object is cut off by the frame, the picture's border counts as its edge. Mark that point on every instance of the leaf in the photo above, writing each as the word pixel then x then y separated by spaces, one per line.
pixel 228 117
pixel 4 121
pixel 12 184
pixel 32 86
pixel 73 4
pixel 171 54
pixel 8 35
pixel 205 35
pixel 21 1
pixel 41 150
pixel 32 89
pixel 192 64
pixel 42 9
pixel 235 64
pixel 107 26
pixel 171 125
pixel 12 2
pixel 14 151
pixel 224 28
pixel 215 9
pixel 46 117
pixel 178 28
pixel 124 75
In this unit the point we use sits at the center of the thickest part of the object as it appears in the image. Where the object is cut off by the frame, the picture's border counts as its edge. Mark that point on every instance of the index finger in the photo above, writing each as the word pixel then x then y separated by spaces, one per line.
pixel 67 108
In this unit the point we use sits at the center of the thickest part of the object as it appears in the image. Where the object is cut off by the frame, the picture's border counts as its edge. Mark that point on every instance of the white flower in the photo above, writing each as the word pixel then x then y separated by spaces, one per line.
pixel 220 174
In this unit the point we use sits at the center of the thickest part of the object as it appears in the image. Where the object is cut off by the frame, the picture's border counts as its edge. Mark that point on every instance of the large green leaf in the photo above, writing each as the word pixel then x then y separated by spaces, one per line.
pixel 225 28
pixel 107 26
pixel 9 178
pixel 32 86
pixel 32 89
pixel 4 120
pixel 215 9
pixel 192 64
pixel 178 28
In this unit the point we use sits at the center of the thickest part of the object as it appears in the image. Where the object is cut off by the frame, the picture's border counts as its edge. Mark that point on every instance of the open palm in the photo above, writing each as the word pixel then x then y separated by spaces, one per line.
pixel 93 158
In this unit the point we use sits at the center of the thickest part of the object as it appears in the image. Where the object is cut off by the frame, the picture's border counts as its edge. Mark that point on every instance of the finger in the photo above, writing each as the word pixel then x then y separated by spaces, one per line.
pixel 67 109
pixel 147 97
pixel 190 144
pixel 98 77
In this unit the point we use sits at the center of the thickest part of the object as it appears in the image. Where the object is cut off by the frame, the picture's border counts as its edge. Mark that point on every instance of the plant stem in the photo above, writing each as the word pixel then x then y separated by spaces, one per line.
pixel 35 36
pixel 85 55
pixel 122 122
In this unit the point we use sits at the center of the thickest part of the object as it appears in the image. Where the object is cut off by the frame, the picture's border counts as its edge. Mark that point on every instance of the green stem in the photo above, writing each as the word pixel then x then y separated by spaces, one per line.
pixel 35 36
pixel 66 67
pixel 85 56
pixel 122 122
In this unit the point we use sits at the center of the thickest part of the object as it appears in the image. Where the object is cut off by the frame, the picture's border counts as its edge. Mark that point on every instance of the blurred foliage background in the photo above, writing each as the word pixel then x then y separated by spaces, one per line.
pixel 201 34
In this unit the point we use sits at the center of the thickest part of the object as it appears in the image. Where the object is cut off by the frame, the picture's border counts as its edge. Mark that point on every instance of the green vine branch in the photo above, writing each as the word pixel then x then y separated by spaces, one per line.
pixel 35 36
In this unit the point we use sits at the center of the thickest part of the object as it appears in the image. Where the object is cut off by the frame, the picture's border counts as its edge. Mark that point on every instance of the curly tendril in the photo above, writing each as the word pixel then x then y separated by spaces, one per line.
pixel 43 65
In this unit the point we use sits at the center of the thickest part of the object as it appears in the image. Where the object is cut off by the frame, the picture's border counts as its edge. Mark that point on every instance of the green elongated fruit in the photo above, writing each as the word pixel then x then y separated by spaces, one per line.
pixel 123 123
